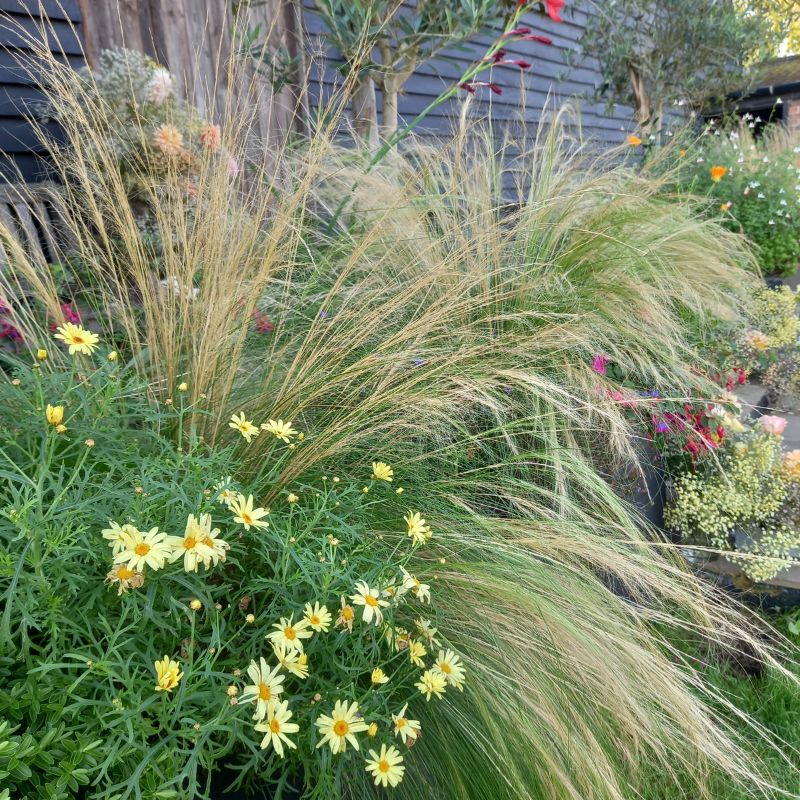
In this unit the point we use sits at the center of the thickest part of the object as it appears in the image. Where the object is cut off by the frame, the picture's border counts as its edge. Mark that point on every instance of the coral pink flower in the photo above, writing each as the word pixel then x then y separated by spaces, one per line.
pixel 772 424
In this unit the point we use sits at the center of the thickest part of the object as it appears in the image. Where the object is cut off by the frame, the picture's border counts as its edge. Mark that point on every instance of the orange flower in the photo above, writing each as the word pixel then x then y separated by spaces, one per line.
pixel 718 173
pixel 210 137
pixel 682 152
pixel 169 140
pixel 633 140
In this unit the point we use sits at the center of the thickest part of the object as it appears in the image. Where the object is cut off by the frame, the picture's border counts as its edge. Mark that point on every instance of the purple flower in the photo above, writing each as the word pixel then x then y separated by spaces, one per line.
pixel 599 364
pixel 418 362
pixel 323 314
pixel 662 427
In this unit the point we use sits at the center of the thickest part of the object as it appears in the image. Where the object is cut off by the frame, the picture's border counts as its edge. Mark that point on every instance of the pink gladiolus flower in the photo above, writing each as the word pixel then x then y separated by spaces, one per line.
pixel 770 423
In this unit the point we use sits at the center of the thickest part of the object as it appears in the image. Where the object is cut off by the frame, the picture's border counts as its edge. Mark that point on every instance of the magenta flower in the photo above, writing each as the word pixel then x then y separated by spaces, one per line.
pixel 599 364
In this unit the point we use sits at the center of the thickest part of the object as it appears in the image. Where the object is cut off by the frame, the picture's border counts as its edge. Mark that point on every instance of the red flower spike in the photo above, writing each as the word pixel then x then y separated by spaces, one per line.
pixel 537 38
pixel 495 88
pixel 518 32
pixel 468 86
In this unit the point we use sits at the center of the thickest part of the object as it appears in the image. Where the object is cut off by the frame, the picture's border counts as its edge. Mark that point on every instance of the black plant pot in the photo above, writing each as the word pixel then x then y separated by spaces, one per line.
pixel 223 778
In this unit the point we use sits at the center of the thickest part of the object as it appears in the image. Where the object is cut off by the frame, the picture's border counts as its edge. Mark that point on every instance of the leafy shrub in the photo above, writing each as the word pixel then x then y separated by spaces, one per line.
pixel 752 491
pixel 754 188
pixel 255 612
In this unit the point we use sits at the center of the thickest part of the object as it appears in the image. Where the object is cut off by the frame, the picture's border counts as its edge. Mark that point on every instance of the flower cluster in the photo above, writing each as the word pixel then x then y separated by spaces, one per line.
pixel 753 184
pixel 742 507
pixel 133 550
pixel 150 129
pixel 396 656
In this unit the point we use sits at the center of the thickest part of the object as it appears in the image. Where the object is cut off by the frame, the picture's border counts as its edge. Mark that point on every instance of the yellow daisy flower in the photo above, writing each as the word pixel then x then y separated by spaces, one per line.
pixel 407 729
pixel 418 529
pixel 386 767
pixel 276 726
pixel 371 600
pixel 192 544
pixel 382 472
pixel 224 492
pixel 218 547
pixel 318 617
pixel 431 684
pixel 54 414
pixel 118 537
pixel 168 674
pixel 290 634
pixel 280 429
pixel 340 727
pixel 77 338
pixel 245 426
pixel 293 661
pixel 416 652
pixel 149 549
pixel 449 664
pixel 378 677
pixel 422 591
pixel 346 616
pixel 125 578
pixel 266 686
pixel 245 514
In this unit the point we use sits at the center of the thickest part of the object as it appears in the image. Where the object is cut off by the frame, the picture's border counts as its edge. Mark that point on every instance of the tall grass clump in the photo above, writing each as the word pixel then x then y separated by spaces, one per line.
pixel 438 312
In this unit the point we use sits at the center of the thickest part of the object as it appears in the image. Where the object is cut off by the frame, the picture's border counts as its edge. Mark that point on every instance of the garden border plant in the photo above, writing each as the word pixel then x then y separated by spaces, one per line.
pixel 430 326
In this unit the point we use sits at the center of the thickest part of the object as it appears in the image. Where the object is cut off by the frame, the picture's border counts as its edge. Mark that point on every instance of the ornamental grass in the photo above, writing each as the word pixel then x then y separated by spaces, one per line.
pixel 288 323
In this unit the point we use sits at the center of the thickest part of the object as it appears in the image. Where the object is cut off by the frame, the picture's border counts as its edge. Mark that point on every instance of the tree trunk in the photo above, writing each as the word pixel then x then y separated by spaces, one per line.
pixel 389 110
pixel 365 111
pixel 641 102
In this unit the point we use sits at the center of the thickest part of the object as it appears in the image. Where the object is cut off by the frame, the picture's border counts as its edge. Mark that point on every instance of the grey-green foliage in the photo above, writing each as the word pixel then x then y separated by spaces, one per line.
pixel 653 54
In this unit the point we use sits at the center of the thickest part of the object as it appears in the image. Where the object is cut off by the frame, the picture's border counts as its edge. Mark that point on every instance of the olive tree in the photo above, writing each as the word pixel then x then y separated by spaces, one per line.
pixel 653 54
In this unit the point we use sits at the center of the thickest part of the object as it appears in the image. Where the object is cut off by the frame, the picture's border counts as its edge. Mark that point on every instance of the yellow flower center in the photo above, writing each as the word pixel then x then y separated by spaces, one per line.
pixel 208 541
pixel 78 339
pixel 314 619
pixel 341 728
pixel 189 543
pixel 371 601
pixel 445 667
pixel 384 765
pixel 125 574
pixel 264 691
pixel 401 722
pixel 275 726
pixel 347 613
pixel 248 520
pixel 142 549
pixel 290 634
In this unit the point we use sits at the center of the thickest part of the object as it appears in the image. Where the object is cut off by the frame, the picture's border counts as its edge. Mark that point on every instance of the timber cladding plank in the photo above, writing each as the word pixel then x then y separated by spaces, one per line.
pixel 23 25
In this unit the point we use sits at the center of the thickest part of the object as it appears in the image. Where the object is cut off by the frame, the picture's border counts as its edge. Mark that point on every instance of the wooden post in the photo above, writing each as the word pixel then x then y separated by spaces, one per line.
pixel 196 42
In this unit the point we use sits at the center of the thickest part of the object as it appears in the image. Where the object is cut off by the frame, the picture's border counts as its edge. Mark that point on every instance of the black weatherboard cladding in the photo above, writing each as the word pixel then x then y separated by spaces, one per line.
pixel 20 150
pixel 558 74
